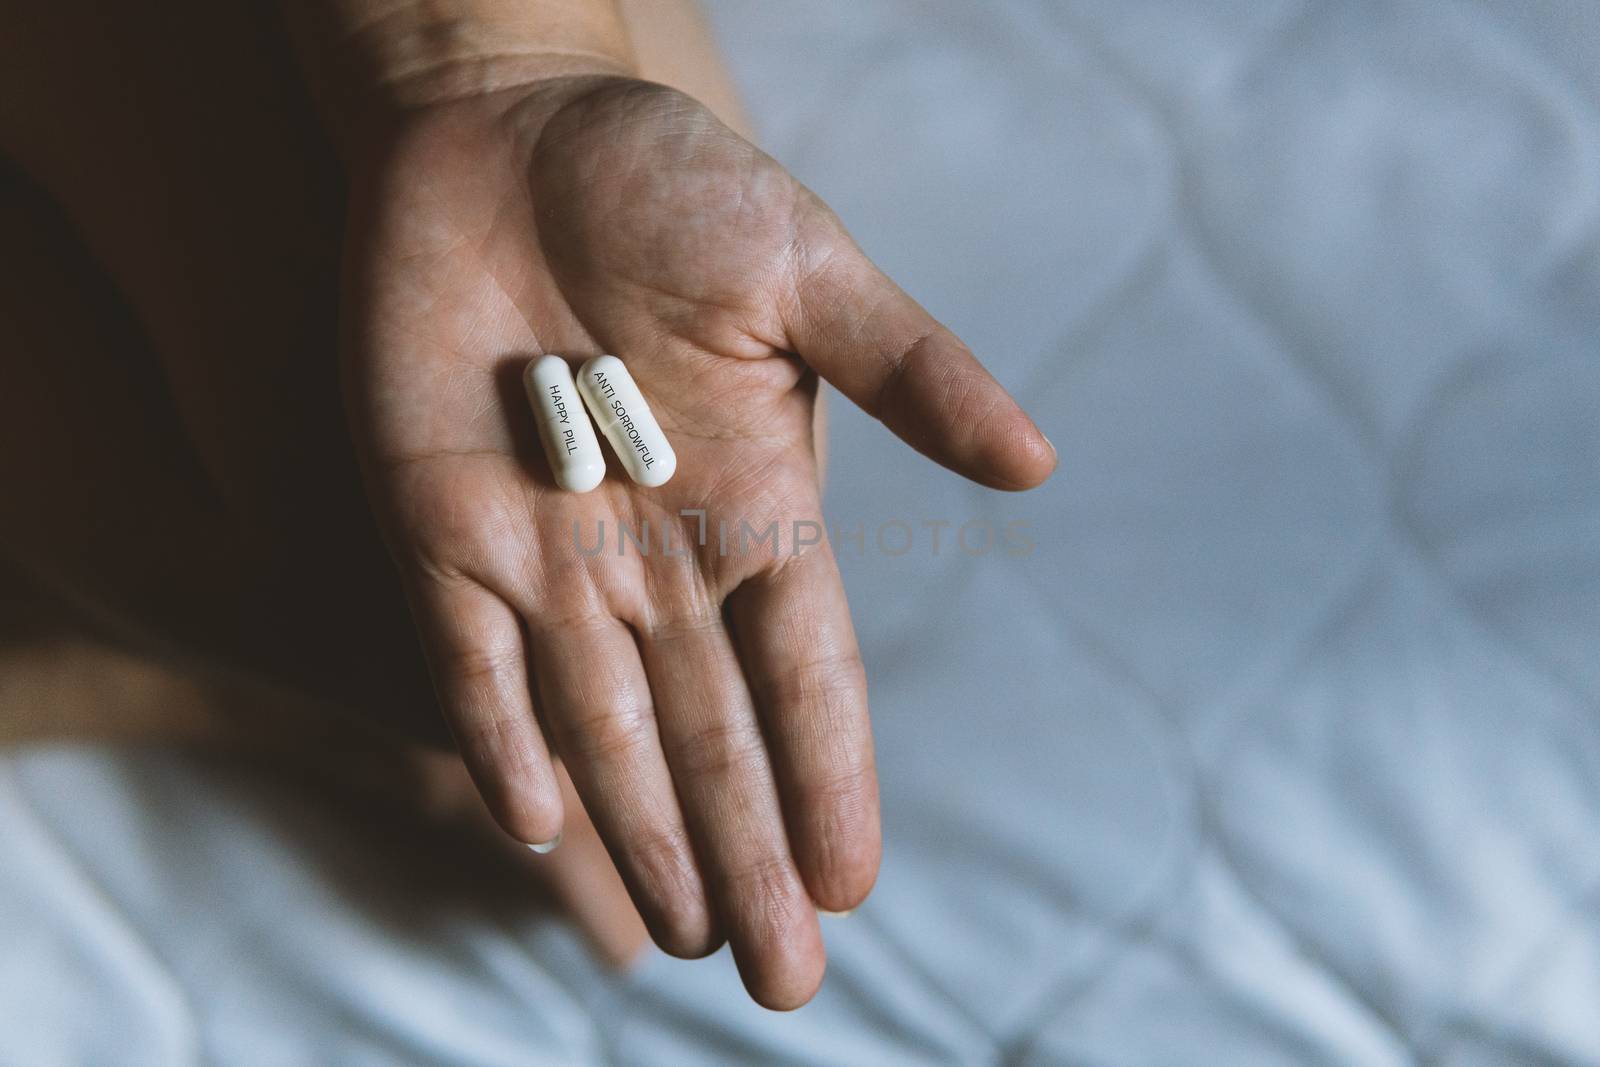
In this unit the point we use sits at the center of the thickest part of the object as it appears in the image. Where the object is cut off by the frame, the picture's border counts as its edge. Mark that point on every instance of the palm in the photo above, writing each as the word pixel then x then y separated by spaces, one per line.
pixel 710 706
pixel 628 251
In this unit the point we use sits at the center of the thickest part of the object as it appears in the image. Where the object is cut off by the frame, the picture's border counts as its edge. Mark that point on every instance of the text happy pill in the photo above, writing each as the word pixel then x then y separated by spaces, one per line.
pixel 620 409
pixel 569 439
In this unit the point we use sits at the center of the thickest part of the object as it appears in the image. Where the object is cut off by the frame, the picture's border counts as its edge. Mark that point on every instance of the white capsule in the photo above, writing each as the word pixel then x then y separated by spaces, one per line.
pixel 569 440
pixel 623 416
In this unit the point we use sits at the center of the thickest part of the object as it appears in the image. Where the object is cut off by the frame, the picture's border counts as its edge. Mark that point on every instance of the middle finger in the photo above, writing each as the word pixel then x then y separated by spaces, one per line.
pixel 715 748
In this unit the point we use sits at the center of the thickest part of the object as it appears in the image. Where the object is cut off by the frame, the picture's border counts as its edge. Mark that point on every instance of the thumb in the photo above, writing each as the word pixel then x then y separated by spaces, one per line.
pixel 877 346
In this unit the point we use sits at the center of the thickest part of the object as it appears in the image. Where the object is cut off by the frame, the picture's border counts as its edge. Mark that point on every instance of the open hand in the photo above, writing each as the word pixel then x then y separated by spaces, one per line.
pixel 710 707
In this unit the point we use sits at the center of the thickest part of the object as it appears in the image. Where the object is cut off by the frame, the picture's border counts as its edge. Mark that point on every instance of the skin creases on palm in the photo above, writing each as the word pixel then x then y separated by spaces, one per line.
pixel 708 701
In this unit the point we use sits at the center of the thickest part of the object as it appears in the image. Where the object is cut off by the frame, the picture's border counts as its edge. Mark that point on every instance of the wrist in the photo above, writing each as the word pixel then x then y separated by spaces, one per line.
pixel 375 62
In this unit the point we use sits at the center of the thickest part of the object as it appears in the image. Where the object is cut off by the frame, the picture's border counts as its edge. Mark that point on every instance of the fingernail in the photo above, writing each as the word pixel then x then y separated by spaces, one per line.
pixel 836 914
pixel 547 846
pixel 1052 445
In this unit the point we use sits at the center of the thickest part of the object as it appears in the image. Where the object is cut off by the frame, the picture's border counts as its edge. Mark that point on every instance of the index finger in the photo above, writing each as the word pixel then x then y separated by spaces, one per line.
pixel 792 626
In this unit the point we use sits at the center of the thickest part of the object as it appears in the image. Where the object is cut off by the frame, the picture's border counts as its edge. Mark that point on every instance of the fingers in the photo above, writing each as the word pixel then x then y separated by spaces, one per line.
pixel 475 651
pixel 585 881
pixel 878 346
pixel 800 655
pixel 597 706
pixel 715 747
pixel 579 876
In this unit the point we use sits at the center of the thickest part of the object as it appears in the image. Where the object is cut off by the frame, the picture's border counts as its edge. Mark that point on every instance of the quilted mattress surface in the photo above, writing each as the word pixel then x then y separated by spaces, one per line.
pixel 1281 745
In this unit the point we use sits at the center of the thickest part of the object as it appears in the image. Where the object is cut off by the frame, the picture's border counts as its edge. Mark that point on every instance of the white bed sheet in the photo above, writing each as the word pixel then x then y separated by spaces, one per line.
pixel 1282 746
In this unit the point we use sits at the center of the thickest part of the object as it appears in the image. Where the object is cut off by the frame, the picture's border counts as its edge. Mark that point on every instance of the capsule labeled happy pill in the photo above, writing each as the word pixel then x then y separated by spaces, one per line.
pixel 620 409
pixel 569 440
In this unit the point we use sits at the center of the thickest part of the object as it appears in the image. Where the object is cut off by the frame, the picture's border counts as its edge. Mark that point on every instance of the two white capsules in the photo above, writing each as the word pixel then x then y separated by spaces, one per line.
pixel 613 398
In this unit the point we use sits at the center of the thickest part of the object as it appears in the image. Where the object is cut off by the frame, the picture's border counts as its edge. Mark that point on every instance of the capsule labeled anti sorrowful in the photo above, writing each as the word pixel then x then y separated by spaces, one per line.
pixel 569 440
pixel 620 410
